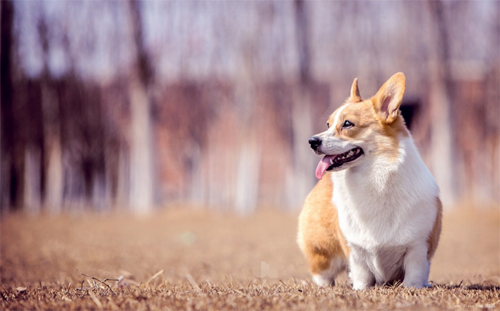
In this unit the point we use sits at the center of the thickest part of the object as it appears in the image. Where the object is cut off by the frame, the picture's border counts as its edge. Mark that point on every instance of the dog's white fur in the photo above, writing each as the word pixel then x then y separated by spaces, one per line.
pixel 364 194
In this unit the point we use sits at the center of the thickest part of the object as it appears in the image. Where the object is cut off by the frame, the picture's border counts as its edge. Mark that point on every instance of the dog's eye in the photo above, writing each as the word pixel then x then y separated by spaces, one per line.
pixel 347 124
pixel 327 124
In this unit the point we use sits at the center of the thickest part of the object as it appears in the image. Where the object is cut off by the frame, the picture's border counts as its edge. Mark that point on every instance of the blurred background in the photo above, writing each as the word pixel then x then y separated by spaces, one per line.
pixel 137 105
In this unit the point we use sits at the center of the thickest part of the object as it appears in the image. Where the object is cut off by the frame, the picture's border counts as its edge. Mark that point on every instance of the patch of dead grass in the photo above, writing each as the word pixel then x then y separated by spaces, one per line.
pixel 179 260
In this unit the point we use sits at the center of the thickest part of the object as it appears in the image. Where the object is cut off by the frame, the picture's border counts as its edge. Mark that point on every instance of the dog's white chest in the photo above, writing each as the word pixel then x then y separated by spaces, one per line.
pixel 386 203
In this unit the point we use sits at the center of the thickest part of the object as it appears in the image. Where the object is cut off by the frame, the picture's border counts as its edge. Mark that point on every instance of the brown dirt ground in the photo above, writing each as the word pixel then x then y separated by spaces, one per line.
pixel 206 261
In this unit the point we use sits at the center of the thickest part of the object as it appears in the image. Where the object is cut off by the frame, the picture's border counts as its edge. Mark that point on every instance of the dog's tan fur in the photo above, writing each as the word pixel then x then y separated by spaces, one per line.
pixel 320 230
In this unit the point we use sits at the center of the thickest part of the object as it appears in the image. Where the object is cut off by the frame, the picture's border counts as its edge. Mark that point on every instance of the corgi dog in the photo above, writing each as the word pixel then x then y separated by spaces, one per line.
pixel 375 210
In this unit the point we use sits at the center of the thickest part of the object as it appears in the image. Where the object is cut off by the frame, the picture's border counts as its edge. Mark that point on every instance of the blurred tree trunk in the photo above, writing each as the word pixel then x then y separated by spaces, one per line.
pixel 495 98
pixel 442 140
pixel 248 162
pixel 492 102
pixel 11 178
pixel 52 146
pixel 34 145
pixel 32 180
pixel 303 168
pixel 141 156
pixel 122 179
pixel 247 184
pixel 51 130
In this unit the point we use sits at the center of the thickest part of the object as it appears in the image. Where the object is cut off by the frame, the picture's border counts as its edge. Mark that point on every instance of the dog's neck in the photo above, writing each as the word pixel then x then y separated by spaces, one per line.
pixel 384 179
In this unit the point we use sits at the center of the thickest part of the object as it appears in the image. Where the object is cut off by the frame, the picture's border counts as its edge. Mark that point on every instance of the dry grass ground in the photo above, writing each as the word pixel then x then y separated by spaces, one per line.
pixel 185 260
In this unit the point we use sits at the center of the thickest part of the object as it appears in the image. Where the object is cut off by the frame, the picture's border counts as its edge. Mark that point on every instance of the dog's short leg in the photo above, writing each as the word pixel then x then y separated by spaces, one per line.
pixel 323 280
pixel 416 266
pixel 360 274
pixel 327 276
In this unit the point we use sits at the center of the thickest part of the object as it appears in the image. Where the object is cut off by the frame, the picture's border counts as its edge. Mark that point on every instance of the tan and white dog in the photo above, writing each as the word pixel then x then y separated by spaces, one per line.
pixel 375 210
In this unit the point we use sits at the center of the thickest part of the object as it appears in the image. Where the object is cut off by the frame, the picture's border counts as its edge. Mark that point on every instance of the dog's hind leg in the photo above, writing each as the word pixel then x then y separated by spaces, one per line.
pixel 325 277
pixel 319 235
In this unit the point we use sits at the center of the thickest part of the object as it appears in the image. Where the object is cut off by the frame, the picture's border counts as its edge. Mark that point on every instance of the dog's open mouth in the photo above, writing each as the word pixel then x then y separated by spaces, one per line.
pixel 330 162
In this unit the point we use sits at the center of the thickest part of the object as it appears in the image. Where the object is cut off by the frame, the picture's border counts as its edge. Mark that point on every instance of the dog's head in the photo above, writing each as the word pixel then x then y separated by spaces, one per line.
pixel 360 129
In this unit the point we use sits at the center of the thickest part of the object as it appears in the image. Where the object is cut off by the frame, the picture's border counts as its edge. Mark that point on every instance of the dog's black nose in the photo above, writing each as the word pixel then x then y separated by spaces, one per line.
pixel 315 142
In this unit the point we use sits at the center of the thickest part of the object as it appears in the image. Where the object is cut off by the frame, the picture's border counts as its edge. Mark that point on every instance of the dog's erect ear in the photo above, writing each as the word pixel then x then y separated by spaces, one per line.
pixel 389 98
pixel 355 97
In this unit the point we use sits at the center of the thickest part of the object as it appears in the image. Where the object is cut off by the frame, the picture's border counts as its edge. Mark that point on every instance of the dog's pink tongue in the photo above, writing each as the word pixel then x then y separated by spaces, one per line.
pixel 323 166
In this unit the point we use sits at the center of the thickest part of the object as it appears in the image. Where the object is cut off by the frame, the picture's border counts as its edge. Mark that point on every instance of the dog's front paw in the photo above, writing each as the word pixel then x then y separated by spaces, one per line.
pixel 360 285
pixel 416 285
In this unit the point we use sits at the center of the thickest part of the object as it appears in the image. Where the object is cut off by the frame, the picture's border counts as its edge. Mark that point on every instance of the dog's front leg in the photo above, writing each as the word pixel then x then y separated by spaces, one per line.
pixel 417 266
pixel 360 274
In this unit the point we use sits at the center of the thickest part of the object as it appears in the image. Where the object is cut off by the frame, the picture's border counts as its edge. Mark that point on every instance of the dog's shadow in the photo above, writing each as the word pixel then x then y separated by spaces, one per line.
pixel 434 286
pixel 471 286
